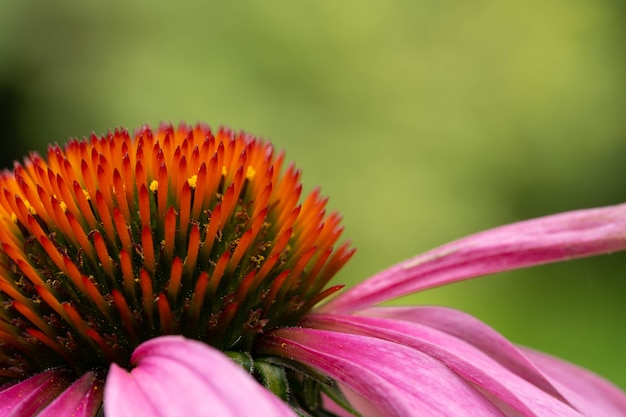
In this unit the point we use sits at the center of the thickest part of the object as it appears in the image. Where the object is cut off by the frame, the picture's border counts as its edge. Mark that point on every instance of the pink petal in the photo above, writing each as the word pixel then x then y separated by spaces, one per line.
pixel 589 393
pixel 562 380
pixel 548 239
pixel 466 327
pixel 506 389
pixel 178 377
pixel 81 399
pixel 395 379
pixel 26 398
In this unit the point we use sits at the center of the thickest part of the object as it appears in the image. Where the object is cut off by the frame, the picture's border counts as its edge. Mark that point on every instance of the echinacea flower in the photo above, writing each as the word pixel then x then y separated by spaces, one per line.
pixel 176 273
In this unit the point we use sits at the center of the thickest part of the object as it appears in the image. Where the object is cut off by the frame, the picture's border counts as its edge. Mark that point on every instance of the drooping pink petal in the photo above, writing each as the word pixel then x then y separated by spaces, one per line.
pixel 178 377
pixel 468 328
pixel 28 397
pixel 589 393
pixel 510 391
pixel 397 380
pixel 564 381
pixel 548 239
pixel 81 399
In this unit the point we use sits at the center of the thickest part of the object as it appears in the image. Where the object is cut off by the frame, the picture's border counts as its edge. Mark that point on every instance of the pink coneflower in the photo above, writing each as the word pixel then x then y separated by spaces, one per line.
pixel 176 273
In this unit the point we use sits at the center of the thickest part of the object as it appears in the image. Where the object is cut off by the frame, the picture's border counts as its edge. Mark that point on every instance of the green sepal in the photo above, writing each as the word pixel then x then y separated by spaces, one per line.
pixel 298 368
pixel 243 359
pixel 273 377
pixel 300 412
pixel 311 393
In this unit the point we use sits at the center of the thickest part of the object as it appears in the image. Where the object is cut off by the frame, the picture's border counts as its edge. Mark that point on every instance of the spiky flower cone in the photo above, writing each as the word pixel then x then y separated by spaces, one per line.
pixel 110 241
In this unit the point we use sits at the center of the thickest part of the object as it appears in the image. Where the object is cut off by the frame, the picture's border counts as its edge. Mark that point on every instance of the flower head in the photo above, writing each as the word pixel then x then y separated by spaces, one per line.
pixel 115 240
pixel 139 275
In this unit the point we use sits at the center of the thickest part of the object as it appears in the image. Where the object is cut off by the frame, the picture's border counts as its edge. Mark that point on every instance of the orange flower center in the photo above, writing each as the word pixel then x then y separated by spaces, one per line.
pixel 114 240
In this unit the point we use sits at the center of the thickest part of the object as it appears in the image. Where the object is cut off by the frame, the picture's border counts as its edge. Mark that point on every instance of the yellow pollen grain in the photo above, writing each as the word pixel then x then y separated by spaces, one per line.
pixel 154 185
pixel 192 181
pixel 14 218
pixel 63 206
pixel 224 171
pixel 86 194
pixel 30 208
pixel 250 173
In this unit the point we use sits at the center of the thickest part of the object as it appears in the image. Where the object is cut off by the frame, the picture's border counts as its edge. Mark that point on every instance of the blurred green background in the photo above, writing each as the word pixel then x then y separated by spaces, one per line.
pixel 422 120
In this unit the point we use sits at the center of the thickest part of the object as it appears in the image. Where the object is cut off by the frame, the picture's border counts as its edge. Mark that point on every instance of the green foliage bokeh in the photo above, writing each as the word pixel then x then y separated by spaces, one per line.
pixel 422 120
